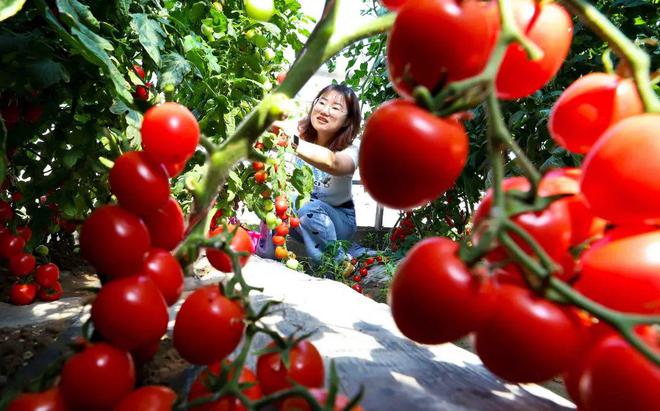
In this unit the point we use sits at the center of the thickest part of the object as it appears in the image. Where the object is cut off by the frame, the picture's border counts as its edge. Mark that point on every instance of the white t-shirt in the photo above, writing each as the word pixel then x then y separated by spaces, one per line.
pixel 335 190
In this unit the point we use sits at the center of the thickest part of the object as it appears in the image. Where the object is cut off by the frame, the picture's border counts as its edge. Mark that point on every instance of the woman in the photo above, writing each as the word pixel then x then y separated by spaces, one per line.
pixel 326 142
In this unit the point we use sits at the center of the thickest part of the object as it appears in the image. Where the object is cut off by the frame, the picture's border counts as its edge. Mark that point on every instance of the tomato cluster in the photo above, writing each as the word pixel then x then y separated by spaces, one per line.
pixel 359 269
pixel 29 279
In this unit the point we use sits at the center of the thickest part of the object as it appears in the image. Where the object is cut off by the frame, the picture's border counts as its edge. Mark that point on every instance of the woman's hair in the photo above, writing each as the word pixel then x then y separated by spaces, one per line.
pixel 347 133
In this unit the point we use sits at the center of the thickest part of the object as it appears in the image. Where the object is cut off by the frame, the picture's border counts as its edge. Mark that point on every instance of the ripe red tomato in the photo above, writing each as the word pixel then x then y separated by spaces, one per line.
pixel 67 226
pixel 6 213
pixel 623 274
pixel 50 400
pixel 199 389
pixel 370 261
pixel 282 229
pixel 357 287
pixel 281 253
pixel 615 186
pixel 97 378
pixel 434 42
pixel 140 184
pixel 528 338
pixel 357 278
pixel 240 242
pixel 260 176
pixel 165 271
pixel 408 156
pixel 170 133
pixel 258 165
pixel 174 169
pixel 321 396
pixel 280 77
pixel 143 355
pixel 278 240
pixel 364 271
pixel 434 297
pixel 16 196
pixel 130 312
pixel 259 145
pixel 590 106
pixel 617 377
pixel 142 92
pixel 139 71
pixel 148 398
pixel 550 27
pixel 281 204
pixel 24 232
pixel 305 368
pixel 110 229
pixel 294 222
pixel 208 326
pixel 11 245
pixel 22 264
pixel 166 225
pixel 22 294
pixel 47 275
pixel 584 224
pixel 52 293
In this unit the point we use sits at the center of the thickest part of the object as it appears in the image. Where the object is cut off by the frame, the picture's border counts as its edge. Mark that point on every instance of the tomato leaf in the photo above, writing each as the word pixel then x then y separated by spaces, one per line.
pixel 150 35
pixel 9 8
pixel 175 68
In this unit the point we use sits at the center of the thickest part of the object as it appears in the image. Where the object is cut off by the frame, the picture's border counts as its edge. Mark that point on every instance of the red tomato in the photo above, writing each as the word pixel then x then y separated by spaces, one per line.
pixel 278 240
pixel 199 389
pixel 370 261
pixel 617 377
pixel 11 245
pixel 16 196
pixel 280 77
pixel 141 185
pixel 208 326
pixel 321 396
pixel 166 225
pixel 47 275
pixel 22 264
pixel 357 287
pixel 22 294
pixel 6 213
pixel 259 145
pixel 282 230
pixel 590 106
pixel 142 92
pixel 97 378
pixel 144 354
pixel 139 71
pixel 434 42
pixel 52 293
pixel 528 338
pixel 174 169
pixel 50 400
pixel 24 232
pixel 170 133
pixel 434 298
pixel 584 224
pixel 305 368
pixel 364 271
pixel 615 186
pixel 623 274
pixel 130 312
pixel 260 176
pixel 68 226
pixel 148 398
pixel 165 271
pixel 258 165
pixel 294 222
pixel 240 242
pixel 408 156
pixel 550 27
pixel 357 278
pixel 281 204
pixel 110 229
pixel 393 5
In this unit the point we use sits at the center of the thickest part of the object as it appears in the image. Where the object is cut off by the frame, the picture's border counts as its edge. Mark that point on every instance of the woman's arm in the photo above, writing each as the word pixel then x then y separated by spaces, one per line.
pixel 334 163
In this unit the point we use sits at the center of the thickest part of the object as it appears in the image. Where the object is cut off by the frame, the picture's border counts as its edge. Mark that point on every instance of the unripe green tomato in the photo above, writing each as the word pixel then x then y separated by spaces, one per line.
pixel 268 206
pixel 250 34
pixel 269 54
pixel 271 220
pixel 261 10
pixel 292 263
pixel 217 6
pixel 41 250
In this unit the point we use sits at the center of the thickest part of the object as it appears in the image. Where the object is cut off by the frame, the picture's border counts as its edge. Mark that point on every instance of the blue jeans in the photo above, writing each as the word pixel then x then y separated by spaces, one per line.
pixel 321 224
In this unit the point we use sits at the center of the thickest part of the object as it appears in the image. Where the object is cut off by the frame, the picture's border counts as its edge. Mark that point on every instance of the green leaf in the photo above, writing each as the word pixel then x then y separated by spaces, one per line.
pixel 71 157
pixel 175 68
pixel 123 6
pixel 9 8
pixel 76 13
pixel 302 180
pixel 150 35
pixel 46 72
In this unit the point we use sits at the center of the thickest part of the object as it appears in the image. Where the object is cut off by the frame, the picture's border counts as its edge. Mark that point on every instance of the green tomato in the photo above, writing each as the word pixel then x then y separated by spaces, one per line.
pixel 261 10
pixel 292 263
pixel 269 54
pixel 217 6
pixel 250 34
pixel 271 220
pixel 268 206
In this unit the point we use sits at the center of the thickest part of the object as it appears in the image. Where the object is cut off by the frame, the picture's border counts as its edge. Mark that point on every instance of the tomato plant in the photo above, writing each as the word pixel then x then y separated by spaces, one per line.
pixel 201 388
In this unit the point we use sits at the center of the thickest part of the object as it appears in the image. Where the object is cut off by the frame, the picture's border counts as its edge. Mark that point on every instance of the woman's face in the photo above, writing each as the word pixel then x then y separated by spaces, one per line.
pixel 330 113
